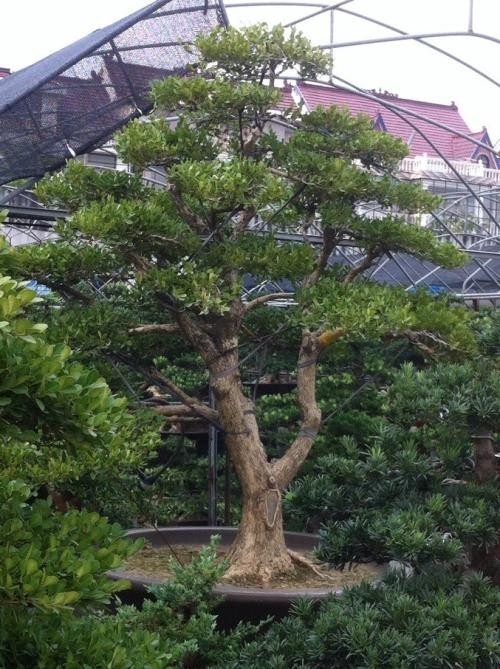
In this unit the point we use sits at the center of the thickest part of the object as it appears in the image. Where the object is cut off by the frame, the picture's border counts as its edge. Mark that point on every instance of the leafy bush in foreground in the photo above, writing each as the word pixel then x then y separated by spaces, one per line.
pixel 176 630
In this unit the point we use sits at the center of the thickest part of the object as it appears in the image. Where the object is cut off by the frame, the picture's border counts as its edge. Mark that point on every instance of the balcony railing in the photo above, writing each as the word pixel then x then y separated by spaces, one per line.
pixel 465 168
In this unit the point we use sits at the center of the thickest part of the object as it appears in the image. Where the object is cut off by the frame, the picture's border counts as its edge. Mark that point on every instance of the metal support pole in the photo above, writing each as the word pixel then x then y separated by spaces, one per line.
pixel 227 491
pixel 471 16
pixel 332 26
pixel 212 466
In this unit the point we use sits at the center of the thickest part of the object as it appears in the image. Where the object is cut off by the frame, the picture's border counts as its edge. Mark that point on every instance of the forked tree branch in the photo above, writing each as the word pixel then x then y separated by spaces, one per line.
pixel 365 263
pixel 67 291
pixel 246 215
pixel 197 335
pixel 153 374
pixel 195 222
pixel 141 264
pixel 329 242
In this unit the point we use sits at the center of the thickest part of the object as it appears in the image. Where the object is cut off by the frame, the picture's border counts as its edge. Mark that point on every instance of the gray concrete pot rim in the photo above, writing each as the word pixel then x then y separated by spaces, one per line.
pixel 231 592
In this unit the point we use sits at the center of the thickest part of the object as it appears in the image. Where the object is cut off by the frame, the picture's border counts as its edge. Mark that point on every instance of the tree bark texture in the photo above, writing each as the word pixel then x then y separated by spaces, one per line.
pixel 485 461
pixel 487 559
pixel 259 551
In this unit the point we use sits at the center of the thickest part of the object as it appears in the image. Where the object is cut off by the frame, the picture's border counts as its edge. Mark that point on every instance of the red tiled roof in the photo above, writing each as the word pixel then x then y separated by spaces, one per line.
pixel 4 72
pixel 286 97
pixel 450 145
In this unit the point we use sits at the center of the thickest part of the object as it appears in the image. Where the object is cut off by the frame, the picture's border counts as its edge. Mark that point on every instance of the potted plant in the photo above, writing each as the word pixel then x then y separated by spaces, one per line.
pixel 184 253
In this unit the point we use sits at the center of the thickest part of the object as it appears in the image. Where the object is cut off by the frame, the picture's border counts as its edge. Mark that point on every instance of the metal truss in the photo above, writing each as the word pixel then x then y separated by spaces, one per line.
pixel 471 218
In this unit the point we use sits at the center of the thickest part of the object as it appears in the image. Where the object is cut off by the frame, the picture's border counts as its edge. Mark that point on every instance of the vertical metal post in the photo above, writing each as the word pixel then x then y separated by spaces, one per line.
pixel 332 25
pixel 471 16
pixel 212 466
pixel 227 491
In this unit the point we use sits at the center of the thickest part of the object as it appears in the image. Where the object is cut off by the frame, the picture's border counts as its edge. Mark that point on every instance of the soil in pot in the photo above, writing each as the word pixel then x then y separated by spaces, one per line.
pixel 154 562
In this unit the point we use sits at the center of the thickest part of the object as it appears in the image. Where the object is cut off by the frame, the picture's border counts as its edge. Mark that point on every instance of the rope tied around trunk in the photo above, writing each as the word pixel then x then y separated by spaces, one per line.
pixel 308 432
pixel 307 363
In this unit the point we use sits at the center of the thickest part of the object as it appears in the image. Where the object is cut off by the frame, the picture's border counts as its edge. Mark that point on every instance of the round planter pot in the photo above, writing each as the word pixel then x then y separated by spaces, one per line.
pixel 239 602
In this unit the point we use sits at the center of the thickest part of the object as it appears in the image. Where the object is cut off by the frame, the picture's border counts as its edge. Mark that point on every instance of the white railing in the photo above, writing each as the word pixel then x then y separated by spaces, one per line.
pixel 465 168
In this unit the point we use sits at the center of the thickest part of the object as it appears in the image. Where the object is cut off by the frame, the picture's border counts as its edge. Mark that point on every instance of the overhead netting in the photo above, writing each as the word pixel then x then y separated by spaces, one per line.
pixel 75 99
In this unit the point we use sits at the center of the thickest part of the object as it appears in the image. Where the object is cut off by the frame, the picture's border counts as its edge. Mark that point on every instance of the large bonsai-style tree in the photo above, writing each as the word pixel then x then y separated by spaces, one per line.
pixel 189 248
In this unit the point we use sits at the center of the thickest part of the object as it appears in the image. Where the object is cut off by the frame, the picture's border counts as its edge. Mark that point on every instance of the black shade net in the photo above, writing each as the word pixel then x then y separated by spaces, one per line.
pixel 75 99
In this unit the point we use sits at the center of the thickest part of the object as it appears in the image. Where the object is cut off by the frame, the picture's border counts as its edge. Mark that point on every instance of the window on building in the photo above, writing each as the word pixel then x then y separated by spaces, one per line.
pixel 484 160
pixel 106 161
pixel 157 176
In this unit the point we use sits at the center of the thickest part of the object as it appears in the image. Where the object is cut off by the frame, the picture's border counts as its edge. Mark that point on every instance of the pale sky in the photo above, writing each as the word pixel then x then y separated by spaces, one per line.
pixel 31 29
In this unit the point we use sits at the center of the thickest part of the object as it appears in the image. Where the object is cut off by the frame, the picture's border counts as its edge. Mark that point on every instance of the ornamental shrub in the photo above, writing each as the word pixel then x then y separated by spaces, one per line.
pixel 436 621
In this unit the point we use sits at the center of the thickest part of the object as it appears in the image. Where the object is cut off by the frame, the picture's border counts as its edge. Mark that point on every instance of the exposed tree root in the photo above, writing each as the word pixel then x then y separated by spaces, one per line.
pixel 261 574
pixel 300 559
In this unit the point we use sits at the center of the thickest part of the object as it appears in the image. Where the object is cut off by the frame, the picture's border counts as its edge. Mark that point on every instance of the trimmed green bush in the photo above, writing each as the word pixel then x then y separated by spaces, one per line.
pixel 425 622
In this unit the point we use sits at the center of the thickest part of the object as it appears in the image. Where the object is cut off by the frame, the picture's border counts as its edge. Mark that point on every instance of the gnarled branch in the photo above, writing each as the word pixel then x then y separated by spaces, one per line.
pixel 141 264
pixel 363 265
pixel 168 328
pixel 195 222
pixel 285 469
pixel 329 242
pixel 246 215
pixel 67 291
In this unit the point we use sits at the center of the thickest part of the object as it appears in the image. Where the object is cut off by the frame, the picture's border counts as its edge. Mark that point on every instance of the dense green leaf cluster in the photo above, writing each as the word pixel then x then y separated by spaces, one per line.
pixel 258 53
pixel 174 630
pixel 59 419
pixel 408 493
pixel 53 561
pixel 226 168
pixel 130 255
pixel 426 622
pixel 79 186
pixel 451 396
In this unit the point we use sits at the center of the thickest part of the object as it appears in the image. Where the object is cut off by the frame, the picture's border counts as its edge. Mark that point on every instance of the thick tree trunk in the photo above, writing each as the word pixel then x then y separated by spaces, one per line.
pixel 484 559
pixel 259 550
pixel 485 461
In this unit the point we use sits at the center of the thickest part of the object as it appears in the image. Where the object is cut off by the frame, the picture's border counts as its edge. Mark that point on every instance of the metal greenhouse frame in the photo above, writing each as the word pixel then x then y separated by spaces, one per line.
pixel 71 102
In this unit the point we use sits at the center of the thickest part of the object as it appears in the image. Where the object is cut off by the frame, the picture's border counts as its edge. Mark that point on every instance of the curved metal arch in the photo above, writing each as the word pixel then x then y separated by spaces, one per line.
pixel 416 37
pixel 328 8
pixel 466 196
pixel 396 110
pixel 434 47
pixel 419 38
pixel 340 8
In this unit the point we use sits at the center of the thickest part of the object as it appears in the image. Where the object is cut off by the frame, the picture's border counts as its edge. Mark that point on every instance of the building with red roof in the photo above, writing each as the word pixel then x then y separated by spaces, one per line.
pixel 443 152
pixel 421 137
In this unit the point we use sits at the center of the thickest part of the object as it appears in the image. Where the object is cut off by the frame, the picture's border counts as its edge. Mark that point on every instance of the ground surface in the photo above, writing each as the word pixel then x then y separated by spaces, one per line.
pixel 155 563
